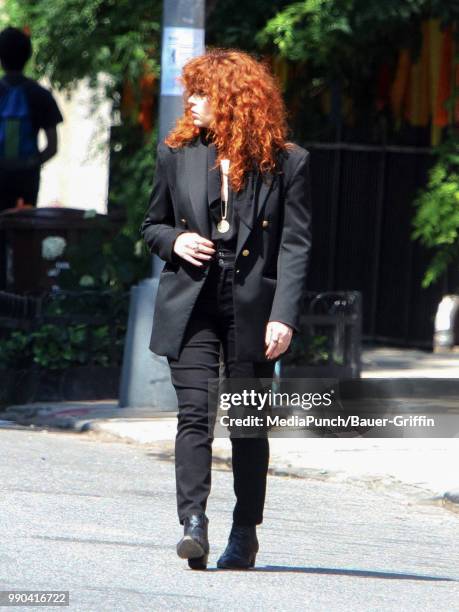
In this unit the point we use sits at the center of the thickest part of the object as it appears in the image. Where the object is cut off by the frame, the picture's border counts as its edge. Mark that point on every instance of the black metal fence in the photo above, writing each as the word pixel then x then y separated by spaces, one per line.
pixel 362 222
pixel 93 311
pixel 329 343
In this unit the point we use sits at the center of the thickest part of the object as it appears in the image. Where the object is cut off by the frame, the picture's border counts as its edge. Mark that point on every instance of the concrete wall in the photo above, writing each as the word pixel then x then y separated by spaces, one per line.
pixel 77 176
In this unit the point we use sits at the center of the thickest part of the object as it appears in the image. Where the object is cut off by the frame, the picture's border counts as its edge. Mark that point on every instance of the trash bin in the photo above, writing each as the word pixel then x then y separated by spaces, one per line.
pixel 22 230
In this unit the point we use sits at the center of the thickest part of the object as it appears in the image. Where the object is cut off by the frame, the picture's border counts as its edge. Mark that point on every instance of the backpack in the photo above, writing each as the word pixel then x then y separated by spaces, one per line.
pixel 18 139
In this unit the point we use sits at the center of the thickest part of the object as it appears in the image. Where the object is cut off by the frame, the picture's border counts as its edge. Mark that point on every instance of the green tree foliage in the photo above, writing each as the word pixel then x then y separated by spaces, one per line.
pixel 336 34
pixel 436 223
pixel 81 38
pixel 229 23
pixel 344 42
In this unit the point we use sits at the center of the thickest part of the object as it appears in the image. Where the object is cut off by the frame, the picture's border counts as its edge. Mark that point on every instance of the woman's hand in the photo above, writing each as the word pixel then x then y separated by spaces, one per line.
pixel 277 338
pixel 193 248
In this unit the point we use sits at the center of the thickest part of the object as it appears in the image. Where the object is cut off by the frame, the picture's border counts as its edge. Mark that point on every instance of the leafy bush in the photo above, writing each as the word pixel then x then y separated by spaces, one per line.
pixel 98 263
pixel 307 350
pixel 64 339
pixel 436 221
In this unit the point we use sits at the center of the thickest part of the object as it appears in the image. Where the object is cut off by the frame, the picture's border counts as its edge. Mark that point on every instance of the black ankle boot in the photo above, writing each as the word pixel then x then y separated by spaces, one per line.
pixel 242 548
pixel 194 545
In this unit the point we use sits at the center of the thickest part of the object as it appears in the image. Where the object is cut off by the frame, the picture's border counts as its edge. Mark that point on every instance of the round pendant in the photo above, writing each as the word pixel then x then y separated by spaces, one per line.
pixel 223 226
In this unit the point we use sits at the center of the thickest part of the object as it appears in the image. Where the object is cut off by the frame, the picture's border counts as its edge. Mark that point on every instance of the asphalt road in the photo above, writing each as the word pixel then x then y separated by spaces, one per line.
pixel 97 518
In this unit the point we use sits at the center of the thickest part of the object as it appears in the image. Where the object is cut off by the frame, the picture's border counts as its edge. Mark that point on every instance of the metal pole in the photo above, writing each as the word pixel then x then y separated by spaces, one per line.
pixel 145 377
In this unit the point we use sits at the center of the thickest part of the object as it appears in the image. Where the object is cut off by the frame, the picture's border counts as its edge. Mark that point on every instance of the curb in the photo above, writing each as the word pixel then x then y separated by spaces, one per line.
pixel 68 423
pixel 451 500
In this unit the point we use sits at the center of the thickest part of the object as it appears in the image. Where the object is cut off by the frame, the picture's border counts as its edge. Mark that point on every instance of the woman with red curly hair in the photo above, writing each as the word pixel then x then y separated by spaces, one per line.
pixel 230 214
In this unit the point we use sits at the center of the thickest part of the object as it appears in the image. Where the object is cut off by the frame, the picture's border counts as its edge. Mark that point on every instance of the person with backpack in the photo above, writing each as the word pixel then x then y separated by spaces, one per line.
pixel 25 108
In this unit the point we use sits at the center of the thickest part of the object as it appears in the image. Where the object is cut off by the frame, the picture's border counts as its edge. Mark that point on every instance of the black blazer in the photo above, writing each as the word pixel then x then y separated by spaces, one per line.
pixel 272 253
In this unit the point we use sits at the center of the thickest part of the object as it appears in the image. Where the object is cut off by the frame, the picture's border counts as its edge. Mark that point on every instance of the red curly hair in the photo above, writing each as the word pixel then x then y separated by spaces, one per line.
pixel 249 125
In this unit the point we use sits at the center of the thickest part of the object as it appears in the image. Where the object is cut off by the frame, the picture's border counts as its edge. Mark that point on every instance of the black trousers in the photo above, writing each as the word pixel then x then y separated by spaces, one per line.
pixel 15 184
pixel 211 327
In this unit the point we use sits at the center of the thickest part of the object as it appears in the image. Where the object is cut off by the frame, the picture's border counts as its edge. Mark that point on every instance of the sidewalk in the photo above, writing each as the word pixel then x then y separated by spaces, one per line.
pixel 389 362
pixel 422 469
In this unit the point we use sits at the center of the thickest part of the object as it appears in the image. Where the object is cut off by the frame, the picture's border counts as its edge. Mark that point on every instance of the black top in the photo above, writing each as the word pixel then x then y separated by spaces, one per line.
pixel 43 107
pixel 44 113
pixel 227 239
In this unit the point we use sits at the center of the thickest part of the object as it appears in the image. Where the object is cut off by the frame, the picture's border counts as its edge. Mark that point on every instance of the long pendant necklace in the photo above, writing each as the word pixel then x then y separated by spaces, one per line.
pixel 223 225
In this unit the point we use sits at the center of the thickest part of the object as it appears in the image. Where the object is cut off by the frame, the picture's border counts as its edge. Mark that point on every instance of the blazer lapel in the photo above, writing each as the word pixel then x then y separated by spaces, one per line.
pixel 213 175
pixel 251 205
pixel 196 171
